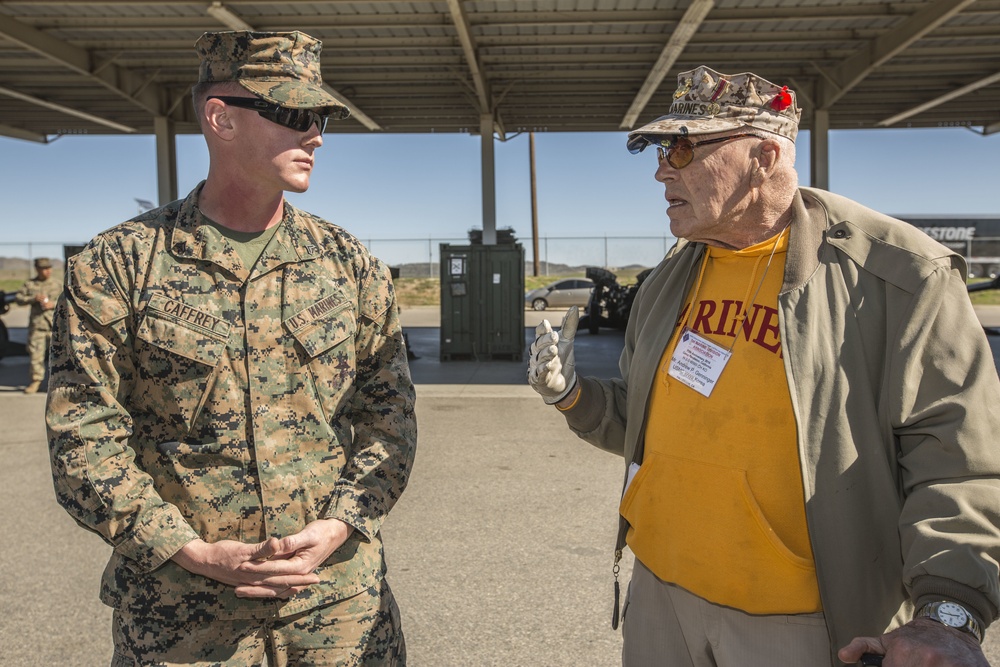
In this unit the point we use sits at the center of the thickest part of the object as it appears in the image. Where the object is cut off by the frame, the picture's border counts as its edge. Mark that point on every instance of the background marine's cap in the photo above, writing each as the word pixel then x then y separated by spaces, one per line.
pixel 706 102
pixel 280 67
pixel 43 263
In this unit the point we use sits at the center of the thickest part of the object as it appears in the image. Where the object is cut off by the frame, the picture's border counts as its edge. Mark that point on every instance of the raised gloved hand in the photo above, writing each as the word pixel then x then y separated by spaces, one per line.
pixel 551 365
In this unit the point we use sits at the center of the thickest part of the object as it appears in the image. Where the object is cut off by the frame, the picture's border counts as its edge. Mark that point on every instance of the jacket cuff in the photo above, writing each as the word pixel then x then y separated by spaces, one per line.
pixel 156 540
pixel 588 411
pixel 927 589
pixel 356 509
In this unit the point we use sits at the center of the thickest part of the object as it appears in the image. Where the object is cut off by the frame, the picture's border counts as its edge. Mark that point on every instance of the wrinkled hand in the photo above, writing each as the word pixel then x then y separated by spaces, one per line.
pixel 551 363
pixel 270 569
pixel 920 643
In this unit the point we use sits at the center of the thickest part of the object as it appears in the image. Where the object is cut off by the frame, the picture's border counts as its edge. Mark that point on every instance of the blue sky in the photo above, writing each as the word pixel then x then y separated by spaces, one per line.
pixel 421 186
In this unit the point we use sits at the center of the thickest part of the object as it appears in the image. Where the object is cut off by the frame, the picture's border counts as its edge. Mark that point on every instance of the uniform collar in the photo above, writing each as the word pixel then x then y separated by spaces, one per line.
pixel 193 238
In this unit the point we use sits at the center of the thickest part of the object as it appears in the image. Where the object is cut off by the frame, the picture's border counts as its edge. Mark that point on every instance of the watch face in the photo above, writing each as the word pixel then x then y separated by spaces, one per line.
pixel 952 614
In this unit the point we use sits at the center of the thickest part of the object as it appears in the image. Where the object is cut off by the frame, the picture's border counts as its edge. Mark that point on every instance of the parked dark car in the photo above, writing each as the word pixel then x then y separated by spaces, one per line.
pixel 560 294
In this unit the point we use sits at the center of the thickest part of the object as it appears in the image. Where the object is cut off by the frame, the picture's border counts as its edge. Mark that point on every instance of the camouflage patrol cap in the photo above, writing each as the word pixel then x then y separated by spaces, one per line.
pixel 43 263
pixel 280 67
pixel 707 101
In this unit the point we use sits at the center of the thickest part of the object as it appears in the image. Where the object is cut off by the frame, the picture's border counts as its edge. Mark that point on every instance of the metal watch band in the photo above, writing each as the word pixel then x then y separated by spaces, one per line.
pixel 971 625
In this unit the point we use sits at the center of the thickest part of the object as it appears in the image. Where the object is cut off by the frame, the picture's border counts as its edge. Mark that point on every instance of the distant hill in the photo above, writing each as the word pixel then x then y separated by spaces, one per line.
pixel 26 265
pixel 432 270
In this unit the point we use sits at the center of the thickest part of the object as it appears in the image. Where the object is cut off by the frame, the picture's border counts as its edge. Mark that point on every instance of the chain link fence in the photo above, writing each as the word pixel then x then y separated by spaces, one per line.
pixel 419 257
pixel 556 254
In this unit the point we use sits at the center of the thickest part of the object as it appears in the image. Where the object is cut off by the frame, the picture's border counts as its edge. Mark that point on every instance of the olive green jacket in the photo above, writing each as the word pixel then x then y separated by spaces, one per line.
pixel 191 397
pixel 897 407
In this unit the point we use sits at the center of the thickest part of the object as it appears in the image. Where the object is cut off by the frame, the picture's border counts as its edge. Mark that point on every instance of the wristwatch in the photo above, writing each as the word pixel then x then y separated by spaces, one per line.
pixel 953 615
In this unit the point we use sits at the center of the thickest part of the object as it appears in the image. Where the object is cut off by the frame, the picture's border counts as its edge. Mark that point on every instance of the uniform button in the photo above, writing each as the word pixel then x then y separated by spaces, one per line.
pixel 840 234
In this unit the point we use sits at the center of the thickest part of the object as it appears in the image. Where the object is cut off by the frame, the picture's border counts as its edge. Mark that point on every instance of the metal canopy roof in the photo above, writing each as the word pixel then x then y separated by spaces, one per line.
pixel 559 65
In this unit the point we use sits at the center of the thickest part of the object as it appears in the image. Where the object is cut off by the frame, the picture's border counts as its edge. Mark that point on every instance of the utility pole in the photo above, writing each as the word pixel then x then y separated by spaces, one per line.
pixel 534 205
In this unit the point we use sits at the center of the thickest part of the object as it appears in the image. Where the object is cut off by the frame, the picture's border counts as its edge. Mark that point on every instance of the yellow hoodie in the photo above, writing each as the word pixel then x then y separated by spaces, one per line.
pixel 717 504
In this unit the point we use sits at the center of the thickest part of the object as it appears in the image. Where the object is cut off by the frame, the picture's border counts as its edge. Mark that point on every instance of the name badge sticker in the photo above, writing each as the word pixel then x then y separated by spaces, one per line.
pixel 698 362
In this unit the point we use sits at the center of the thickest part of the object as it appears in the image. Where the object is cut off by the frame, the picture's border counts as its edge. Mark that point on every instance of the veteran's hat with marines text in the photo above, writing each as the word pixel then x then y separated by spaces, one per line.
pixel 280 67
pixel 707 101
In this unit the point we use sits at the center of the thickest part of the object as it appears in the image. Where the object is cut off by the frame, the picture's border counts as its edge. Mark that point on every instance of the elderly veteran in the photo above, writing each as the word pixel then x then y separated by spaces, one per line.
pixel 230 405
pixel 805 410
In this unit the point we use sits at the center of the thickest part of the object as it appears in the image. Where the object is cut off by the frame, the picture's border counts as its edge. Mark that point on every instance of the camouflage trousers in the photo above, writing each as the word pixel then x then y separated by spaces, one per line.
pixel 38 346
pixel 361 631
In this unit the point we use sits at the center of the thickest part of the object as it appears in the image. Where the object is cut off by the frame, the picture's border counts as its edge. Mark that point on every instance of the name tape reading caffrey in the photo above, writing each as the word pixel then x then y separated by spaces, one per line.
pixel 196 317
pixel 950 233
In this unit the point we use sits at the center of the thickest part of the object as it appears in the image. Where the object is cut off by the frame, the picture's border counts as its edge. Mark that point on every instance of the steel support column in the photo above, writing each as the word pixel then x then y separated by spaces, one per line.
pixel 819 150
pixel 489 181
pixel 166 159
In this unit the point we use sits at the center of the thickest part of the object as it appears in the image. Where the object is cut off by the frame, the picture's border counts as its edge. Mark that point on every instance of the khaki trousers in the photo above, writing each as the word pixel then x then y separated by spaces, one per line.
pixel 665 625
pixel 38 347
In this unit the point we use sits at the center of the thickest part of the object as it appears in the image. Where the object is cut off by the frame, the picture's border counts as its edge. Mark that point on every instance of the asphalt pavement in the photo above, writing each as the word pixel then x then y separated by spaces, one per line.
pixel 499 552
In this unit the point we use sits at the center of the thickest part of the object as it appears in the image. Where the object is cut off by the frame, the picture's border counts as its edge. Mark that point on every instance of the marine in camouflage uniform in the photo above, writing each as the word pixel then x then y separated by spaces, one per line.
pixel 41 293
pixel 195 396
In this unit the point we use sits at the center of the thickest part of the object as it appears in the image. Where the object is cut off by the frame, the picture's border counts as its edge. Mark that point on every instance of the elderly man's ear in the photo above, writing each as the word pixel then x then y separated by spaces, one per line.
pixel 762 166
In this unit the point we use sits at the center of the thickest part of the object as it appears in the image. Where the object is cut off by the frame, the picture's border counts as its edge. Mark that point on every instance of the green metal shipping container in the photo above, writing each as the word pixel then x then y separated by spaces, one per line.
pixel 482 302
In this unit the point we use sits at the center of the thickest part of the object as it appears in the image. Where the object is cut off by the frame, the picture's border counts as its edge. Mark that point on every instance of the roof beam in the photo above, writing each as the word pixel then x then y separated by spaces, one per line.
pixel 356 112
pixel 682 34
pixel 479 83
pixel 233 21
pixel 461 22
pixel 838 82
pixel 947 97
pixel 66 110
pixel 991 129
pixel 226 17
pixel 18 133
pixel 142 93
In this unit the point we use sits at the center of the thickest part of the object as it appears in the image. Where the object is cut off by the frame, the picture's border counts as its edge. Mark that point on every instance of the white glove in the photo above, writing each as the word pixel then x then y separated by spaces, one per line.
pixel 551 364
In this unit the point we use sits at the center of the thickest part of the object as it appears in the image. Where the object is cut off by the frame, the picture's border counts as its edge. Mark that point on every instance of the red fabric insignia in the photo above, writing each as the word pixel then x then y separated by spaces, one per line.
pixel 782 100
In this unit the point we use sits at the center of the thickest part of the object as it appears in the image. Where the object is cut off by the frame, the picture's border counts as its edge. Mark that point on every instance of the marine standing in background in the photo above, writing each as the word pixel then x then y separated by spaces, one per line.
pixel 230 406
pixel 41 293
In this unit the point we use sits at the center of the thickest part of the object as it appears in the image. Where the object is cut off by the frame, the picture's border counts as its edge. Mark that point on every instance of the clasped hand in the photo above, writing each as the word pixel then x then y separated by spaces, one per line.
pixel 551 362
pixel 274 568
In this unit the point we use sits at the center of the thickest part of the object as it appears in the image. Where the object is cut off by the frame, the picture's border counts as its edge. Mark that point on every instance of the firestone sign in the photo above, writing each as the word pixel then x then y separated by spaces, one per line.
pixel 941 228
pixel 950 233
pixel 977 239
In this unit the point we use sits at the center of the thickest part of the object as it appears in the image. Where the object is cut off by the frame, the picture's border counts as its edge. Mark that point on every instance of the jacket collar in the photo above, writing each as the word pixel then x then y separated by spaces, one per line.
pixel 193 238
pixel 810 222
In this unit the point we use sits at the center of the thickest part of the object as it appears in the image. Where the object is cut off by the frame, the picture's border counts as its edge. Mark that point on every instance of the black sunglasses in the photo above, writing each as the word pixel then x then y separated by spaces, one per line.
pixel 299 120
pixel 680 151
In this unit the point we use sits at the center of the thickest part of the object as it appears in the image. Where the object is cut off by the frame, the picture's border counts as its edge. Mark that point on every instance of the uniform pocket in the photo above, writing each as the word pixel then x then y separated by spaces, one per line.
pixel 328 344
pixel 318 335
pixel 179 350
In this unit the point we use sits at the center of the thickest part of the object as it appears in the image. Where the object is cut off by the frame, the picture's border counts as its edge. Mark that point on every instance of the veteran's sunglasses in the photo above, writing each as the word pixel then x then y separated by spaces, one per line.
pixel 299 120
pixel 680 152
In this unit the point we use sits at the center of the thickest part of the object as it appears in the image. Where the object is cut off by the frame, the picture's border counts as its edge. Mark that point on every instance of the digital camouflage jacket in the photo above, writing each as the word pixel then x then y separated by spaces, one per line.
pixel 191 397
